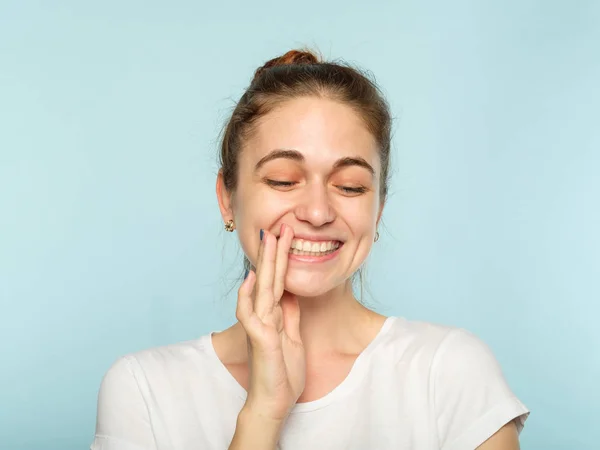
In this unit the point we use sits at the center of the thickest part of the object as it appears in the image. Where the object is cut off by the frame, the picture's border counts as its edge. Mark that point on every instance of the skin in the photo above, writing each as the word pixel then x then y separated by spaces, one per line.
pixel 299 326
pixel 506 438
pixel 323 131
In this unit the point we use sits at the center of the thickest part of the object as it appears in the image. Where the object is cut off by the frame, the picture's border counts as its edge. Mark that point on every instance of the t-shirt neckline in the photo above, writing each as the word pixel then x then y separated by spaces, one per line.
pixel 357 371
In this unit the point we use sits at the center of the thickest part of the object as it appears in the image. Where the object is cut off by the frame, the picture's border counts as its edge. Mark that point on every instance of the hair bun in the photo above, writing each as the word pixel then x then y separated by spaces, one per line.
pixel 297 57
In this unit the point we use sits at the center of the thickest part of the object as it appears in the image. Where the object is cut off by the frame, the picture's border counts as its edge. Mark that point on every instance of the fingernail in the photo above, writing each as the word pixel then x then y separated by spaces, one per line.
pixel 246 274
pixel 262 233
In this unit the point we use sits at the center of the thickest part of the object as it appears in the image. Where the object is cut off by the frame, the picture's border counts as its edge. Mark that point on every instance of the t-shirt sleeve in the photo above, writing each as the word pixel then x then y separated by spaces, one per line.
pixel 472 399
pixel 122 421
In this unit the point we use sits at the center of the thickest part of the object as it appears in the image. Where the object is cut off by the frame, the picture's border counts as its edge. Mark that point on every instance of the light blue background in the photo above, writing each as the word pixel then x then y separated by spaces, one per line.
pixel 110 236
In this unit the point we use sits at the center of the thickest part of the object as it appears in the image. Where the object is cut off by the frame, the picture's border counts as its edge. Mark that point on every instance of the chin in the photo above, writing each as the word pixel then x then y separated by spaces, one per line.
pixel 307 287
pixel 304 291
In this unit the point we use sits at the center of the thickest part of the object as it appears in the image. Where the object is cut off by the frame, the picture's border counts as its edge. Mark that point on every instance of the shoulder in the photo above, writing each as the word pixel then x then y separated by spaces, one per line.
pixel 412 340
pixel 468 395
pixel 452 362
pixel 441 342
pixel 132 386
pixel 137 369
pixel 171 354
pixel 461 350
pixel 450 357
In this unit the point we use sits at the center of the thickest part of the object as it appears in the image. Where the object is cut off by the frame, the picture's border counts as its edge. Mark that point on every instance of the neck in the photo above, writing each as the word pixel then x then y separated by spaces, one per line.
pixel 336 322
pixel 331 324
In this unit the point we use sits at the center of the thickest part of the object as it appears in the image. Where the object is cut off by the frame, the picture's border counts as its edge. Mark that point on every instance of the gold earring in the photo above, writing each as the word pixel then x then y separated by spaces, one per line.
pixel 376 236
pixel 229 226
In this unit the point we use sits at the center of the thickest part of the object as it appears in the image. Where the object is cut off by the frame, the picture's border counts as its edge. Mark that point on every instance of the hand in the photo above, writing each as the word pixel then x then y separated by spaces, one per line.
pixel 271 317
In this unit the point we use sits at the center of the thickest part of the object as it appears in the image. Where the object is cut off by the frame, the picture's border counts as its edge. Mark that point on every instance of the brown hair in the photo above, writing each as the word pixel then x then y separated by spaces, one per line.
pixel 301 73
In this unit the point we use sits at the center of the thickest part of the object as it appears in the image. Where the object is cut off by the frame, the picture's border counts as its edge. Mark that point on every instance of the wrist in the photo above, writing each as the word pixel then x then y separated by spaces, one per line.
pixel 250 414
pixel 255 431
pixel 270 412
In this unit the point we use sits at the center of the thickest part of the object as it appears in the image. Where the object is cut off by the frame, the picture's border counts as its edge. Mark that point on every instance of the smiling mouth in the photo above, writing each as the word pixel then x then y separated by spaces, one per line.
pixel 295 251
pixel 302 247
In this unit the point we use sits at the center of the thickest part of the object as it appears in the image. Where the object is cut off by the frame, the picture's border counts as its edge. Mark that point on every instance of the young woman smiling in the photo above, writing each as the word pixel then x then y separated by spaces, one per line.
pixel 303 180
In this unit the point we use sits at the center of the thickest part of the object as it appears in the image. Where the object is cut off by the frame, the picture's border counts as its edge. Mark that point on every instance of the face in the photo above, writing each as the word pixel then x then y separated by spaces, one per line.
pixel 312 165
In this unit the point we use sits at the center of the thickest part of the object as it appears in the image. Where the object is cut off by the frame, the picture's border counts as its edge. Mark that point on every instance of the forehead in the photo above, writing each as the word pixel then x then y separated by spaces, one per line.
pixel 322 130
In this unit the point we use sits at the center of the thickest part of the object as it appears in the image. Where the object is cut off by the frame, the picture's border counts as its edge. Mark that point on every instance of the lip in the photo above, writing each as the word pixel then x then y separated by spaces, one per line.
pixel 307 237
pixel 315 259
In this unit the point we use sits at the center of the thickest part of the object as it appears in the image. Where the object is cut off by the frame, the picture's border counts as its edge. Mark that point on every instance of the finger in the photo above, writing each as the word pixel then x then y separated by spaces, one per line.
pixel 281 262
pixel 265 272
pixel 245 307
pixel 291 316
pixel 261 246
pixel 259 256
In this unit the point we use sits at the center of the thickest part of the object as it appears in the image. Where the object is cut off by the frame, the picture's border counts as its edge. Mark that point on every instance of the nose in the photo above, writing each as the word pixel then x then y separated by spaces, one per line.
pixel 315 207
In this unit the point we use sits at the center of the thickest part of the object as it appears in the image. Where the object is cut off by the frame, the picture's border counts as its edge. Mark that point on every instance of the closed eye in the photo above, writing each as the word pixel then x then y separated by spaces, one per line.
pixel 345 189
pixel 280 183
pixel 353 190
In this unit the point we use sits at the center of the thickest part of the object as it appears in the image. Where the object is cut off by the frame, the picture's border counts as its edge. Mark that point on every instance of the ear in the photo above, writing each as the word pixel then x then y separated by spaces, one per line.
pixel 224 198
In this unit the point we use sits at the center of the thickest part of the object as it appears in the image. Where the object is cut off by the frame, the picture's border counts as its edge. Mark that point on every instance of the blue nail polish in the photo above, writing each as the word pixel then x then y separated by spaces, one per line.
pixel 246 274
pixel 262 233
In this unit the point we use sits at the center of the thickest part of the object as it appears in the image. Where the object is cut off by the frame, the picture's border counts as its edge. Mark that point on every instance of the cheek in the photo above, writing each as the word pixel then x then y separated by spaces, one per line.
pixel 253 211
pixel 259 207
pixel 360 215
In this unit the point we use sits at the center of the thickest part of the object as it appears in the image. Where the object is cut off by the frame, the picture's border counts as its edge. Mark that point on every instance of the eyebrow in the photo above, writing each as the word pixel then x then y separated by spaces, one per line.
pixel 295 155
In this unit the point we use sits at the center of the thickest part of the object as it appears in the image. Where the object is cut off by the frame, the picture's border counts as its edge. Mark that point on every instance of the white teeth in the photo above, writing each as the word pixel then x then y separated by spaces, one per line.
pixel 300 246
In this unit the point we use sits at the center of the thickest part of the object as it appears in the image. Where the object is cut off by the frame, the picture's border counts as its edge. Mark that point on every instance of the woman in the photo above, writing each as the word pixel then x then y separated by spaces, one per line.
pixel 304 178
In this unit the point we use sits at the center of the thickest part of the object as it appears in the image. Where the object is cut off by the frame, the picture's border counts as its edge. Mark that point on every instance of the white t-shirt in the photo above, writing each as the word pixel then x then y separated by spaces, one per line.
pixel 417 386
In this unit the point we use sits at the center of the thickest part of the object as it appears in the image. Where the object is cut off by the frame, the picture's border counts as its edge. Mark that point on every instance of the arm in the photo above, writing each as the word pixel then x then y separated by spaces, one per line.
pixel 506 438
pixel 255 432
